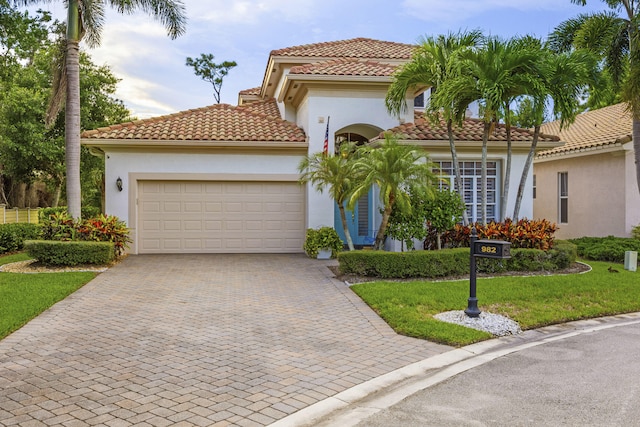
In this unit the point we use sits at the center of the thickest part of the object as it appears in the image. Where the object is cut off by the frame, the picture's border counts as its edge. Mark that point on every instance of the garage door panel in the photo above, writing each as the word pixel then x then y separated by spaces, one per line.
pixel 220 216
pixel 171 188
pixel 175 207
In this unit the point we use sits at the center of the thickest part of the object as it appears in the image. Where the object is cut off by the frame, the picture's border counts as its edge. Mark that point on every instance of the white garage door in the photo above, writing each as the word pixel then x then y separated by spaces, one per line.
pixel 220 217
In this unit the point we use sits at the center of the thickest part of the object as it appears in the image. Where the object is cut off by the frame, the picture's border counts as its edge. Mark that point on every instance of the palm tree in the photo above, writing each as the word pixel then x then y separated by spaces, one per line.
pixel 562 77
pixel 615 36
pixel 430 66
pixel 336 173
pixel 398 171
pixel 87 18
pixel 493 75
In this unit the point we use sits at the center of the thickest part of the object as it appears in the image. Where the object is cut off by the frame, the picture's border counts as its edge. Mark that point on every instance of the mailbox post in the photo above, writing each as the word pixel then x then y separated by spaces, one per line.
pixel 472 309
pixel 484 249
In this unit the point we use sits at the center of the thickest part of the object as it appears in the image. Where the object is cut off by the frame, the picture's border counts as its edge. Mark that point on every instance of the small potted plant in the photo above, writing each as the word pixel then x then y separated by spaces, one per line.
pixel 322 243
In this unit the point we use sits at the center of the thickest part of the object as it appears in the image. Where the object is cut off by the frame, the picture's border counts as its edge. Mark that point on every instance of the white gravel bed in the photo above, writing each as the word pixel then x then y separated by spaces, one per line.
pixel 493 323
pixel 31 267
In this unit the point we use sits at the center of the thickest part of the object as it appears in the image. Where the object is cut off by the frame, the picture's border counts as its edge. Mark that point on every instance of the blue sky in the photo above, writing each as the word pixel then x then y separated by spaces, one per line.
pixel 156 81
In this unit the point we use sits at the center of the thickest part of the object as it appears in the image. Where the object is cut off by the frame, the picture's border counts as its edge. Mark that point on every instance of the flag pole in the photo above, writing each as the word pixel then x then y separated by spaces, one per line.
pixel 325 148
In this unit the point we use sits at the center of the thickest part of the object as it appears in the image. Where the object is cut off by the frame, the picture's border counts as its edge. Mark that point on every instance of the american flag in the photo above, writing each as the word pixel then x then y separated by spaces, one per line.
pixel 325 149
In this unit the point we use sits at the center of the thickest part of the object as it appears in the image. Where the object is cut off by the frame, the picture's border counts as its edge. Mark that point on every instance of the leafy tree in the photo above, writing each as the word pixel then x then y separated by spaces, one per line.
pixel 406 226
pixel 431 64
pixel 444 212
pixel 335 172
pixel 29 149
pixel 86 18
pixel 615 37
pixel 211 72
pixel 398 171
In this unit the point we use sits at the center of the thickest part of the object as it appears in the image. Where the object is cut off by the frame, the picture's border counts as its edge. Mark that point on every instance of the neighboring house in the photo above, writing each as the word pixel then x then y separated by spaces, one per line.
pixel 588 185
pixel 225 178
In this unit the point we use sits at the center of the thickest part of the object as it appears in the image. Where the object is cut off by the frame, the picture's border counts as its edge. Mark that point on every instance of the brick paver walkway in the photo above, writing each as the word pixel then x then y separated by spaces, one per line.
pixel 196 340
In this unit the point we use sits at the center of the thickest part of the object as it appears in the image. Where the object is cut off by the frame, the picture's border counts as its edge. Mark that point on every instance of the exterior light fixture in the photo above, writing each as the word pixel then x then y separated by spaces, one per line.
pixel 119 183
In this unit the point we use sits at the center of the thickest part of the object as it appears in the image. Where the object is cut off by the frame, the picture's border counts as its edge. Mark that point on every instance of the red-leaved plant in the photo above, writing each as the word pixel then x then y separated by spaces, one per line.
pixel 525 234
pixel 106 228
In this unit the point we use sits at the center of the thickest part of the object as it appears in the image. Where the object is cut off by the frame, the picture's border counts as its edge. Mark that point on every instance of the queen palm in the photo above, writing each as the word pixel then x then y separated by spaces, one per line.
pixel 85 19
pixel 398 171
pixel 335 173
pixel 492 75
pixel 430 66
pixel 562 78
pixel 615 36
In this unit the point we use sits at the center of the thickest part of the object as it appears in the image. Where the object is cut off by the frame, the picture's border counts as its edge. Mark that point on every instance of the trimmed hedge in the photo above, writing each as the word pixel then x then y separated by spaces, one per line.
pixel 12 236
pixel 605 248
pixel 451 262
pixel 50 252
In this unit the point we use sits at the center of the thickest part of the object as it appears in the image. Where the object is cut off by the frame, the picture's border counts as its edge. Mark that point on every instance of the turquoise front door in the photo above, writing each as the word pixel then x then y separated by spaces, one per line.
pixel 359 222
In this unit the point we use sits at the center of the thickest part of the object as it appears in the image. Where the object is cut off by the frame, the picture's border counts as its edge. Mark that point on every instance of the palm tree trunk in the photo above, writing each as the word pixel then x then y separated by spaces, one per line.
pixel 72 112
pixel 483 174
pixel 345 227
pixel 525 172
pixel 386 214
pixel 456 169
pixel 504 198
pixel 636 147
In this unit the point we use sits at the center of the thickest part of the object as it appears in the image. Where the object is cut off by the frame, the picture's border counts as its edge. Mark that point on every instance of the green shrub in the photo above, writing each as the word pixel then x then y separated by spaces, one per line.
pixel 70 253
pixel 322 238
pixel 451 262
pixel 605 248
pixel 12 236
pixel 86 212
pixel 60 226
pixel 635 232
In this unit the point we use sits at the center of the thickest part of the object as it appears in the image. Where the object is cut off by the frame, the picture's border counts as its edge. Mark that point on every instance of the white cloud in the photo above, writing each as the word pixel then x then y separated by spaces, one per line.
pixel 141 97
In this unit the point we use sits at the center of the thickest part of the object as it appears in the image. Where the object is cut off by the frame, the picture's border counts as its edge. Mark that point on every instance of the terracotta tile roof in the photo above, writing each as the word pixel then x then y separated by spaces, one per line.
pixel 252 91
pixel 471 130
pixel 353 48
pixel 268 107
pixel 219 122
pixel 345 67
pixel 593 129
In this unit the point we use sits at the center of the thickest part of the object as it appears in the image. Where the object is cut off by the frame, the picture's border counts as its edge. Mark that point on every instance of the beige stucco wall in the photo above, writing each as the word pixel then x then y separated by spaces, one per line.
pixel 596 194
pixel 632 191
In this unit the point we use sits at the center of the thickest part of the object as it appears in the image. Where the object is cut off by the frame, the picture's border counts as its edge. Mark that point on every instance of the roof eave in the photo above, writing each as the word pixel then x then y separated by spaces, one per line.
pixel 295 82
pixel 579 152
pixel 190 144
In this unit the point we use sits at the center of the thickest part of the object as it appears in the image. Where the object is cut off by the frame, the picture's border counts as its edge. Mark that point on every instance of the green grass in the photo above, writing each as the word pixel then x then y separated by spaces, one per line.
pixel 24 296
pixel 535 301
pixel 20 256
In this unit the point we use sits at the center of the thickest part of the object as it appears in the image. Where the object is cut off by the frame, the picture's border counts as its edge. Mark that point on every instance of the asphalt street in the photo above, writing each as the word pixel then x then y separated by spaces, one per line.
pixel 591 379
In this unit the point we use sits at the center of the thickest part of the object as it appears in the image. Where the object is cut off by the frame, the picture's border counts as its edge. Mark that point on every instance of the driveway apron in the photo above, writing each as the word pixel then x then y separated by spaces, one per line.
pixel 202 340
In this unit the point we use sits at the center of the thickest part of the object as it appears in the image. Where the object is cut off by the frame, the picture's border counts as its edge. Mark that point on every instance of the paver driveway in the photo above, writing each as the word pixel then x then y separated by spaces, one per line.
pixel 196 340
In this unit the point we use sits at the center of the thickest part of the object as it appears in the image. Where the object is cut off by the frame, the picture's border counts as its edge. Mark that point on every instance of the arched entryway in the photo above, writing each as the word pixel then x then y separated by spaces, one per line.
pixel 362 221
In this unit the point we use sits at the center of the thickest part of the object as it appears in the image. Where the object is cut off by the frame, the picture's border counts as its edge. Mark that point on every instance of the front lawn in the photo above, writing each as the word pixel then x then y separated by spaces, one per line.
pixel 535 301
pixel 24 296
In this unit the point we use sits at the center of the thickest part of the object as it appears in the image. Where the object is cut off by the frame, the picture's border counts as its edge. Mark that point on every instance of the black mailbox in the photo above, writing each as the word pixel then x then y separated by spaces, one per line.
pixel 492 249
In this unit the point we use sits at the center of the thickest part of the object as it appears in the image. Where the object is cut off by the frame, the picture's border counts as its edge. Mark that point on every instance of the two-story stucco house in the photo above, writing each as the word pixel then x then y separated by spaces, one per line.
pixel 225 178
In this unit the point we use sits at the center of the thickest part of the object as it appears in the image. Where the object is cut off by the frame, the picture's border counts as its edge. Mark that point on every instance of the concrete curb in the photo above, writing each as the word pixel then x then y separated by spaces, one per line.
pixel 354 405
